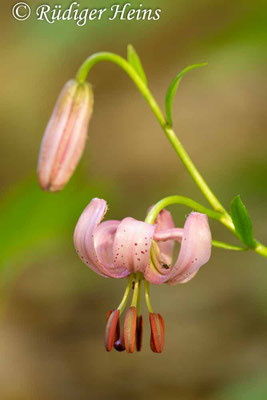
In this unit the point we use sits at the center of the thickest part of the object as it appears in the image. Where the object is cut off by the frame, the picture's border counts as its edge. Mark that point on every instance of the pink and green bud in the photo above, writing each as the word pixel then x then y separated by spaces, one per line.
pixel 65 136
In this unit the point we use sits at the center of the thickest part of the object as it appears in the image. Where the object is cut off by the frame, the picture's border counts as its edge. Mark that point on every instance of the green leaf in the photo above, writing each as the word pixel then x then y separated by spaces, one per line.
pixel 32 220
pixel 135 62
pixel 173 88
pixel 242 222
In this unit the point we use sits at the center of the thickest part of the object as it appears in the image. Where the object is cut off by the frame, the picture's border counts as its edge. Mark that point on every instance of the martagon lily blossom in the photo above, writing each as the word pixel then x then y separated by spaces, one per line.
pixel 140 251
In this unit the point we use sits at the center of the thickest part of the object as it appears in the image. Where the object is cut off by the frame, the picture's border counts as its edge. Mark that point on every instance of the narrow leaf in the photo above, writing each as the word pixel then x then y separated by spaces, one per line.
pixel 242 222
pixel 173 88
pixel 135 62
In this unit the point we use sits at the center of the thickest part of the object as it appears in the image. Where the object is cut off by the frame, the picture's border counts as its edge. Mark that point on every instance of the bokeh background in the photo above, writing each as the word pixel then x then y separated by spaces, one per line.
pixel 52 307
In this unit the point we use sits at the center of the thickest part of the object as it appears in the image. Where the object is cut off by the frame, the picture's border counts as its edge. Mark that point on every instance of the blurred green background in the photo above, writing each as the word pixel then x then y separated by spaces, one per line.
pixel 53 307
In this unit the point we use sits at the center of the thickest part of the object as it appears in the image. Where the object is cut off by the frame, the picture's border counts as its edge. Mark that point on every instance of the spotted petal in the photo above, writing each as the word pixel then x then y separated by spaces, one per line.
pixel 161 257
pixel 164 222
pixel 132 245
pixel 94 242
pixel 195 249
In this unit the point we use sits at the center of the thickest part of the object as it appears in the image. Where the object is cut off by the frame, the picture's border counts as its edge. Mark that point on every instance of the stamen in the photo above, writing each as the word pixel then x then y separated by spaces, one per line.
pixel 130 322
pixel 130 329
pixel 139 299
pixel 139 332
pixel 157 332
pixel 112 332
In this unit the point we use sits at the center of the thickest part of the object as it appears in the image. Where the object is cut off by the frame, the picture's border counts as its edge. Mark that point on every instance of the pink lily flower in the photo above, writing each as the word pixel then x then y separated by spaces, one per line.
pixel 117 249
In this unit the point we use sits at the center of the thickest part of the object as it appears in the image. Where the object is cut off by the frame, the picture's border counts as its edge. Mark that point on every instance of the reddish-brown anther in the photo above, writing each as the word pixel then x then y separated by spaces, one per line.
pixel 157 332
pixel 119 345
pixel 130 329
pixel 112 332
pixel 139 332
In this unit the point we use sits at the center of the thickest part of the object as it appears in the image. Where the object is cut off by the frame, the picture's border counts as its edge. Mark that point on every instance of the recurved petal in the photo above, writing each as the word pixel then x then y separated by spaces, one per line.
pixel 160 263
pixel 93 242
pixel 164 222
pixel 195 249
pixel 104 243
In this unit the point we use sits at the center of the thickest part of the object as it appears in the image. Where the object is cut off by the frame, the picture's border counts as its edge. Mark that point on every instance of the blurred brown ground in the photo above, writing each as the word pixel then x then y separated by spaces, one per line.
pixel 51 332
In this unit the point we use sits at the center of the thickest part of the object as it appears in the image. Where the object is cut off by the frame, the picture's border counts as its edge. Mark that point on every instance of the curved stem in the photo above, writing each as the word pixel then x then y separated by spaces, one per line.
pixel 224 218
pixel 121 62
pixel 167 201
pixel 176 144
pixel 156 209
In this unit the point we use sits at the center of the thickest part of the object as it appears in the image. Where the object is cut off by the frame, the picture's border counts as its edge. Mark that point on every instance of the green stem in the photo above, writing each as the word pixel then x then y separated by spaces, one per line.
pixel 167 201
pixel 176 144
pixel 138 308
pixel 156 209
pixel 136 290
pixel 261 249
pixel 224 218
pixel 147 296
pixel 126 294
pixel 226 246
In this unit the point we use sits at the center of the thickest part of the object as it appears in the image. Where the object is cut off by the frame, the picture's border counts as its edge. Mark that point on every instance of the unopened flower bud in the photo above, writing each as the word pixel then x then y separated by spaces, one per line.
pixel 65 136
pixel 157 332
pixel 112 332
pixel 130 329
